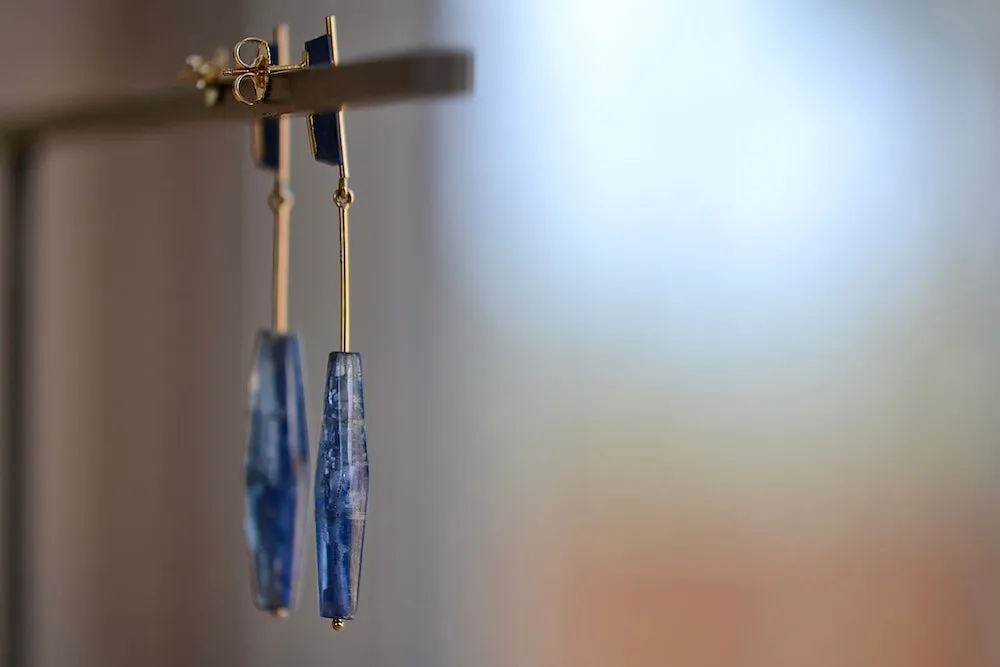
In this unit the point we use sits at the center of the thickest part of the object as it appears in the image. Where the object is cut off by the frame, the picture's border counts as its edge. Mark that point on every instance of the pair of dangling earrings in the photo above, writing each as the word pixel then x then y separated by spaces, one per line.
pixel 277 453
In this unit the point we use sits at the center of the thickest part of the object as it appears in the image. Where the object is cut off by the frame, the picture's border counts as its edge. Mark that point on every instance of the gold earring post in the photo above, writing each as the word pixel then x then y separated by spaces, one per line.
pixel 345 272
pixel 281 203
pixel 343 197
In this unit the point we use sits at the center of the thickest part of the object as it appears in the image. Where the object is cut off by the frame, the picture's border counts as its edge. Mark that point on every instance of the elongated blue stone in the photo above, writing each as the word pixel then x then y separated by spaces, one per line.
pixel 277 471
pixel 341 487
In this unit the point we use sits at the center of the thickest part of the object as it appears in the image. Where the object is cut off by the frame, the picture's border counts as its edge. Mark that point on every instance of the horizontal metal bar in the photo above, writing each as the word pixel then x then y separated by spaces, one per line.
pixel 408 76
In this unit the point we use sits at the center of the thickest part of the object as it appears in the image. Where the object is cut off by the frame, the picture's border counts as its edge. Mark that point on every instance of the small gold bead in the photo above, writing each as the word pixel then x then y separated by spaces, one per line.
pixel 338 624
pixel 280 613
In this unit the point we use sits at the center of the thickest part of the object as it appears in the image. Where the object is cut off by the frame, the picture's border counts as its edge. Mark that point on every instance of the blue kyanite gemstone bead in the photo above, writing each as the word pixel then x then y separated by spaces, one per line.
pixel 277 471
pixel 341 488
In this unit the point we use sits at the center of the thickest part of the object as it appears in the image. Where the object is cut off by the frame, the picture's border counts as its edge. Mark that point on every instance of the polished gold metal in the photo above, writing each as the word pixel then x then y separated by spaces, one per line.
pixel 280 613
pixel 343 197
pixel 280 200
pixel 209 74
pixel 338 624
pixel 258 71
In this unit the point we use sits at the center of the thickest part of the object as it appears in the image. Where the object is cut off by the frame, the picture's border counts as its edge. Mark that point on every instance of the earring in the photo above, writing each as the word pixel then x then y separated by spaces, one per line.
pixel 277 454
pixel 342 461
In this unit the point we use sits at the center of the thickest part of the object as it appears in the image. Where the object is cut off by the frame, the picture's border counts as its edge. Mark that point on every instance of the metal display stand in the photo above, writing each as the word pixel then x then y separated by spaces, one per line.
pixel 408 76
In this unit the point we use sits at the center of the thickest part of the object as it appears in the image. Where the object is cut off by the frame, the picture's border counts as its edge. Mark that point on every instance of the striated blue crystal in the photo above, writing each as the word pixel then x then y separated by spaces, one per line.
pixel 277 471
pixel 341 487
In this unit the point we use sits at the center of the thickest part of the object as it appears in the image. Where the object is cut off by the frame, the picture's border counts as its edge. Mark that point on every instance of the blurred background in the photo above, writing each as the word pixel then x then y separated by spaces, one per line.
pixel 681 338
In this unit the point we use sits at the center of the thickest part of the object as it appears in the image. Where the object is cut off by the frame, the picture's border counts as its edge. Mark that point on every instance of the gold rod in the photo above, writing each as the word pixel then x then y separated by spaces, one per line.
pixel 282 205
pixel 343 198
pixel 345 281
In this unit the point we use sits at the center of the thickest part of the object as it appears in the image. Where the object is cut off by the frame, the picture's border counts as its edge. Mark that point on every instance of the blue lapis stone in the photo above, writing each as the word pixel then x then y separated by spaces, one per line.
pixel 324 128
pixel 277 471
pixel 267 144
pixel 341 488
pixel 267 139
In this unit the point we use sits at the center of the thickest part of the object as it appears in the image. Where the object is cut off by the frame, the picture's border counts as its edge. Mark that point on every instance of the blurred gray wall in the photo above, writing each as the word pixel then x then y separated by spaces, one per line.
pixel 135 381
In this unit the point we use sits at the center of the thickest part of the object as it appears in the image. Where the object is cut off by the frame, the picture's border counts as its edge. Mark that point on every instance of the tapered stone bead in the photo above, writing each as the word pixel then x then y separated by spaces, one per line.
pixel 341 488
pixel 277 471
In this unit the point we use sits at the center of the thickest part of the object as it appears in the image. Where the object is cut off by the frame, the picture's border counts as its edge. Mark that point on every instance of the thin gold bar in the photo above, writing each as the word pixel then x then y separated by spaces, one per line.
pixel 282 205
pixel 273 69
pixel 343 200
pixel 345 281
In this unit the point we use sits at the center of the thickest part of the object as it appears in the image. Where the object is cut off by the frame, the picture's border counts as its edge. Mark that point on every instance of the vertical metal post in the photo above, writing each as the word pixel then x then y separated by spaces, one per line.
pixel 15 403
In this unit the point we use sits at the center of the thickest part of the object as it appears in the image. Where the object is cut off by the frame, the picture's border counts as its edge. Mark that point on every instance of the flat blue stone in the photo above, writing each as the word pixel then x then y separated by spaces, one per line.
pixel 324 128
pixel 267 145
pixel 341 488
pixel 267 142
pixel 277 471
